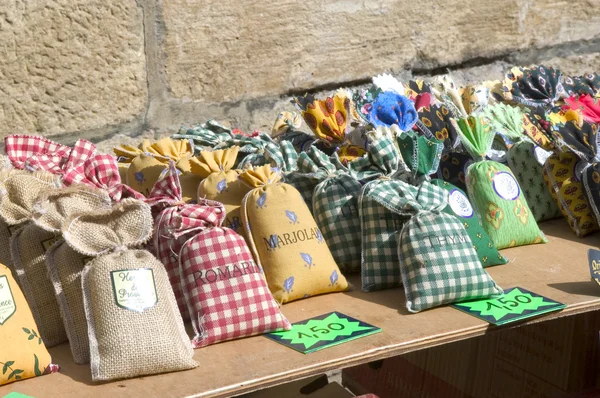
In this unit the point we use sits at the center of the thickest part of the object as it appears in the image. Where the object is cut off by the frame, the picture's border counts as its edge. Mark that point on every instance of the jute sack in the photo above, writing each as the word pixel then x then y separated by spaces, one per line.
pixel 134 325
pixel 494 191
pixel 167 201
pixel 63 265
pixel 221 183
pixel 225 290
pixel 439 264
pixel 6 229
pixel 285 239
pixel 23 354
pixel 28 246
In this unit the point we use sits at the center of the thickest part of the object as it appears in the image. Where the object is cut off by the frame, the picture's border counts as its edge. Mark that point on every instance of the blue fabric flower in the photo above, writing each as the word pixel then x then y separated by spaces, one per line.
pixel 392 108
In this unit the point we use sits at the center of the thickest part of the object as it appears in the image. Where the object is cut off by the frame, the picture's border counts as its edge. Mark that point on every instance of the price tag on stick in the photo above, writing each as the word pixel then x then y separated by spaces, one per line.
pixel 323 331
pixel 516 304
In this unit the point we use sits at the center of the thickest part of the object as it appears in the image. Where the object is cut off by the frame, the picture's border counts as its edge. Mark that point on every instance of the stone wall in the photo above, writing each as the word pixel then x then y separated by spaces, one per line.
pixel 100 68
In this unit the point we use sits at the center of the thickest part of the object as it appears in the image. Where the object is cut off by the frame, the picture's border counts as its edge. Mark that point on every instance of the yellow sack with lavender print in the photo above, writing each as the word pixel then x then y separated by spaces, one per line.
pixel 221 183
pixel 22 352
pixel 494 190
pixel 150 159
pixel 285 240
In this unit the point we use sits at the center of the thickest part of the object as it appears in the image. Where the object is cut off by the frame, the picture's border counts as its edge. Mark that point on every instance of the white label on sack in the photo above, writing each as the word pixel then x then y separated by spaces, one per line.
pixel 506 186
pixel 460 204
pixel 134 289
pixel 7 301
pixel 541 154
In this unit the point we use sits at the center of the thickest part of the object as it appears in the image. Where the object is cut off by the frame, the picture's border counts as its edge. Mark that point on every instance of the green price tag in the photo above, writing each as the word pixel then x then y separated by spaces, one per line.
pixel 323 331
pixel 516 304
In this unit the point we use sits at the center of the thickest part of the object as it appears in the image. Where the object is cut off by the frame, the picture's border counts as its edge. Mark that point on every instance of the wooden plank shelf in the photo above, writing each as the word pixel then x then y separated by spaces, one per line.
pixel 557 270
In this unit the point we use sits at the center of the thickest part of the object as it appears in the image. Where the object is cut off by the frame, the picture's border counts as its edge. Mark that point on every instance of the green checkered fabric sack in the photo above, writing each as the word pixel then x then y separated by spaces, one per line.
pixel 420 154
pixel 460 207
pixel 207 136
pixel 438 262
pixel 379 225
pixel 333 204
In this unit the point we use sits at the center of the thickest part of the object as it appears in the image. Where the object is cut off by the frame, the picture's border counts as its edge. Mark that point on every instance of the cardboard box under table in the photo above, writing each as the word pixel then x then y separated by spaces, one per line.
pixel 557 270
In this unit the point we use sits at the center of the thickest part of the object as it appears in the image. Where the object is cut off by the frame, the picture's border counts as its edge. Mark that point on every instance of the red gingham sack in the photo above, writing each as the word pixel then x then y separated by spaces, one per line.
pixel 166 198
pixel 226 291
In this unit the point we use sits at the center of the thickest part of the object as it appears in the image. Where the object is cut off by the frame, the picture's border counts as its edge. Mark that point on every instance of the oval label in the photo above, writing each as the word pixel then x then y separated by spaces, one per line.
pixel 7 301
pixel 460 204
pixel 506 186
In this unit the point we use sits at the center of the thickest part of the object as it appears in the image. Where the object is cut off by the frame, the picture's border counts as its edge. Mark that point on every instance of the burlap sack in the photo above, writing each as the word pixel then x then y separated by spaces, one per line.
pixel 221 183
pixel 134 325
pixel 22 353
pixel 285 239
pixel 6 229
pixel 64 266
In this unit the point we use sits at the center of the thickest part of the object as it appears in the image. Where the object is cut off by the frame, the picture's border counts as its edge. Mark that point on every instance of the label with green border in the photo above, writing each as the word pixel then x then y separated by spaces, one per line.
pixel 322 332
pixel 516 304
pixel 134 289
pixel 8 307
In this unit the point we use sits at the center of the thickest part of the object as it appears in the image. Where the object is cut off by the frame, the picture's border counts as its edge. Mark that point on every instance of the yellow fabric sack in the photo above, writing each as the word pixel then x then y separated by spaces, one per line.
pixel 150 159
pixel 285 239
pixel 221 183
pixel 22 352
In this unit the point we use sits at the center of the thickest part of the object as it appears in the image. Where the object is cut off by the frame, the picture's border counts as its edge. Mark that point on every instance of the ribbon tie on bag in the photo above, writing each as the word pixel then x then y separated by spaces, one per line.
pixel 167 190
pixel 101 171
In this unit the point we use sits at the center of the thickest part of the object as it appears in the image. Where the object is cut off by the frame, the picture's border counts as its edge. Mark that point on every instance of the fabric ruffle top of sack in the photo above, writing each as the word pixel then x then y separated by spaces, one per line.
pixel 166 199
pixel 538 86
pixel 135 328
pixel 225 290
pixel 149 160
pixel 28 245
pixel 285 240
pixel 589 84
pixel 494 191
pixel 221 183
pixel 23 354
pixel 206 136
pixel 438 262
pixel 379 225
pixel 525 159
pixel 63 265
pixel 286 128
pixel 334 206
pixel 561 176
pixel 587 105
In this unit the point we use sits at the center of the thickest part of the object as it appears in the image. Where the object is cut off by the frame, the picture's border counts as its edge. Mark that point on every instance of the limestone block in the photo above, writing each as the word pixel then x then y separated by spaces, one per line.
pixel 70 65
pixel 228 50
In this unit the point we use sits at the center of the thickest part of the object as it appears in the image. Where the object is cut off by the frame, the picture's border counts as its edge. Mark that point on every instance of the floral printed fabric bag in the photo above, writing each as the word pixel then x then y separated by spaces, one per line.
pixel 439 264
pixel 379 225
pixel 62 265
pixel 460 207
pixel 525 159
pixel 149 160
pixel 335 207
pixel 285 240
pixel 220 182
pixel 226 291
pixel 495 192
pixel 561 176
pixel 135 328
pixel 23 354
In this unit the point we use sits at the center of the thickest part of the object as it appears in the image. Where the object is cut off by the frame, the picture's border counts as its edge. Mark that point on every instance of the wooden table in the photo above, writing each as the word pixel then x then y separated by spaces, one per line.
pixel 558 270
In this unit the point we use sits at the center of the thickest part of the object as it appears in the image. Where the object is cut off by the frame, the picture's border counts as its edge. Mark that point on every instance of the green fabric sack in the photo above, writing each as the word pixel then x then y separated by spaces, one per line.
pixel 460 207
pixel 420 154
pixel 207 136
pixel 525 159
pixel 495 192
pixel 438 262
pixel 379 225
pixel 335 208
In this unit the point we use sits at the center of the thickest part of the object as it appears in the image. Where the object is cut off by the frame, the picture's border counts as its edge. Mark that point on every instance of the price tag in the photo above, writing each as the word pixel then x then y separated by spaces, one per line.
pixel 516 304
pixel 323 331
pixel 594 260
